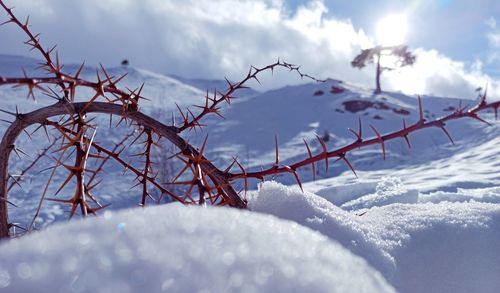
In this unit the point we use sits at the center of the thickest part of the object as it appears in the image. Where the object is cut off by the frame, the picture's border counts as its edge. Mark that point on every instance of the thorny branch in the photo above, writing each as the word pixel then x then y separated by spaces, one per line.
pixel 190 121
pixel 341 153
pixel 201 180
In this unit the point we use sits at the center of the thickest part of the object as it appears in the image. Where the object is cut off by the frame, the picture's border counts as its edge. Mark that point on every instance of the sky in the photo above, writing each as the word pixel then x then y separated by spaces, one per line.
pixel 457 42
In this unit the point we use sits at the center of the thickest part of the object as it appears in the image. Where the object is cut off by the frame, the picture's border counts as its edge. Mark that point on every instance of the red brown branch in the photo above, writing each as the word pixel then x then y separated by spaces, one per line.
pixel 40 155
pixel 379 139
pixel 212 104
pixel 116 157
pixel 100 168
pixel 147 165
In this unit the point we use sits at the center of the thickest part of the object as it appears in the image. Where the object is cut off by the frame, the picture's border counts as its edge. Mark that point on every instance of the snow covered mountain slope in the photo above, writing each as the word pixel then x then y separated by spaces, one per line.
pixel 215 85
pixel 328 109
pixel 300 112
pixel 163 91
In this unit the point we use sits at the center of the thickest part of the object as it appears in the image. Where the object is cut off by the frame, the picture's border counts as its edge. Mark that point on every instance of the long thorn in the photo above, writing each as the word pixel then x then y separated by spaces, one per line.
pixel 381 140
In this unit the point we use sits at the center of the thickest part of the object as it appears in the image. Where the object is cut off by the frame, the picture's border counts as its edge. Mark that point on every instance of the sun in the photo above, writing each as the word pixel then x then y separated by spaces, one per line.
pixel 391 30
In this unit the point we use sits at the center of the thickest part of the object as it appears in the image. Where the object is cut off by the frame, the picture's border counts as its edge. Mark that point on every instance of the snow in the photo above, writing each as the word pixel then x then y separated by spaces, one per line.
pixel 418 247
pixel 340 194
pixel 355 196
pixel 295 113
pixel 444 247
pixel 427 219
pixel 415 247
pixel 317 213
pixel 491 195
pixel 389 190
pixel 174 248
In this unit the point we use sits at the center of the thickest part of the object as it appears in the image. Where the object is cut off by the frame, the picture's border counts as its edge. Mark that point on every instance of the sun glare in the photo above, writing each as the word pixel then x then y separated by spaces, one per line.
pixel 391 30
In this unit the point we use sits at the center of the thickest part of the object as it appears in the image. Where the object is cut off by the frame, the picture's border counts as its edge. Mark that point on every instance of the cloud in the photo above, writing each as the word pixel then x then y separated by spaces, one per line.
pixel 434 73
pixel 492 59
pixel 217 38
pixel 494 39
pixel 491 23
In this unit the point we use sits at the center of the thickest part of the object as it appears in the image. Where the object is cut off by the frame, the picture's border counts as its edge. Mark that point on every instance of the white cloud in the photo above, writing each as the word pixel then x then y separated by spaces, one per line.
pixel 491 23
pixel 39 7
pixel 494 39
pixel 434 73
pixel 217 38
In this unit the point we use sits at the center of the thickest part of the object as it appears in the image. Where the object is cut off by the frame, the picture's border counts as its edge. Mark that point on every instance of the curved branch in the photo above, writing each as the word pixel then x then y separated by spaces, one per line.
pixel 61 108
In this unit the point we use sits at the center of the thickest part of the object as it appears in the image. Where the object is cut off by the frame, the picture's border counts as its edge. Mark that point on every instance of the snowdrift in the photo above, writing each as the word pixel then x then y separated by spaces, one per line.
pixel 418 247
pixel 174 248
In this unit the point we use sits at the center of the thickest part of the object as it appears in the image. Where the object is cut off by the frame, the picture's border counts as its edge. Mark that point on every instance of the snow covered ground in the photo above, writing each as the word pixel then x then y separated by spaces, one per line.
pixel 418 246
pixel 180 249
pixel 412 247
pixel 427 219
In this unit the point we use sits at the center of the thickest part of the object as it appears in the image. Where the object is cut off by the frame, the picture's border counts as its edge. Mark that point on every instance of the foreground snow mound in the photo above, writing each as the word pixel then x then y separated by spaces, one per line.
pixel 445 247
pixel 183 249
pixel 319 214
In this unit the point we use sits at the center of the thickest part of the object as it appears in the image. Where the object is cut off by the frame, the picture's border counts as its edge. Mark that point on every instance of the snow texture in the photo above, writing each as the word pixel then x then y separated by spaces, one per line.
pixel 442 247
pixel 319 214
pixel 389 190
pixel 445 247
pixel 174 248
